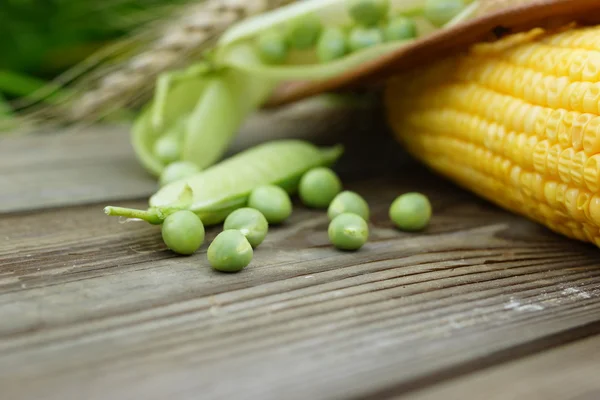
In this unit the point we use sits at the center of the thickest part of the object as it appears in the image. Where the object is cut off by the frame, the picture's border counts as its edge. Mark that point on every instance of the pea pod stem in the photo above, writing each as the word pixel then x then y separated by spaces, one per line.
pixel 151 215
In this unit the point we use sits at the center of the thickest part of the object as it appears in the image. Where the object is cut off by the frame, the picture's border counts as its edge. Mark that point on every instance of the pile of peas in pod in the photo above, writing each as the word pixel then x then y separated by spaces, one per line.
pixel 245 229
pixel 372 23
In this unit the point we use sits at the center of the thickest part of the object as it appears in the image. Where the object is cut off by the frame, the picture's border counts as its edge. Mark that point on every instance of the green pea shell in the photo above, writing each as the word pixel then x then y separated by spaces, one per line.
pixel 348 231
pixel 183 232
pixel 411 212
pixel 230 251
pixel 250 222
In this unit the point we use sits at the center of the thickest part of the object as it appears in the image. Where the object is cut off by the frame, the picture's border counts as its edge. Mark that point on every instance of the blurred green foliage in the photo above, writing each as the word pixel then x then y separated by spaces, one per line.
pixel 41 38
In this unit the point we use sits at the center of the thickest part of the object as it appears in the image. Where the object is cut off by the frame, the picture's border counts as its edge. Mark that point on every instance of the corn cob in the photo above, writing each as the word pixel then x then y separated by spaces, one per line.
pixel 516 121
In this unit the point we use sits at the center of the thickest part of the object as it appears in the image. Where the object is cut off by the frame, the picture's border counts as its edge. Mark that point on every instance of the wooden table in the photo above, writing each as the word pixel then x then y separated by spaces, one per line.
pixel 482 305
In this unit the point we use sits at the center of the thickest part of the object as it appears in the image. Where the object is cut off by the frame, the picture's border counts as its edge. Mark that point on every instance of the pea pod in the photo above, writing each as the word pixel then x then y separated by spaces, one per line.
pixel 229 97
pixel 178 104
pixel 217 191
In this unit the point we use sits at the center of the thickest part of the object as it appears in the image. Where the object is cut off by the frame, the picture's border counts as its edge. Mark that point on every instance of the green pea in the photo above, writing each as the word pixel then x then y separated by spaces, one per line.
pixel 272 47
pixel 332 45
pixel 361 38
pixel 183 232
pixel 176 171
pixel 304 32
pixel 167 149
pixel 400 28
pixel 230 251
pixel 348 231
pixel 318 187
pixel 272 201
pixel 368 12
pixel 440 12
pixel 348 202
pixel 411 211
pixel 250 222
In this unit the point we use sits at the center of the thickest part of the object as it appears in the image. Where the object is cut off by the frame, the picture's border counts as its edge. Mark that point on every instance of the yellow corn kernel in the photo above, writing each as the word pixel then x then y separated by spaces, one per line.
pixel 591 136
pixel 564 164
pixel 591 173
pixel 591 98
pixel 517 122
pixel 577 168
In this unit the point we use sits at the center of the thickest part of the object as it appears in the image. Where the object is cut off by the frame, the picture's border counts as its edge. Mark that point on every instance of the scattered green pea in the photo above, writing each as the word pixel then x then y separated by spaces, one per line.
pixel 348 202
pixel 368 12
pixel 183 232
pixel 272 201
pixel 361 38
pixel 272 47
pixel 230 251
pixel 304 32
pixel 176 171
pixel 332 45
pixel 400 28
pixel 348 231
pixel 167 149
pixel 410 211
pixel 318 187
pixel 440 12
pixel 250 222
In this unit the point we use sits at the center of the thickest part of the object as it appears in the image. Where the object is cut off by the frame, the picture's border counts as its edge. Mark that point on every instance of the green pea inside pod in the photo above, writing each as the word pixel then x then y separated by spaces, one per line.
pixel 440 12
pixel 272 47
pixel 168 147
pixel 176 171
pixel 332 44
pixel 368 12
pixel 361 38
pixel 303 32
pixel 400 28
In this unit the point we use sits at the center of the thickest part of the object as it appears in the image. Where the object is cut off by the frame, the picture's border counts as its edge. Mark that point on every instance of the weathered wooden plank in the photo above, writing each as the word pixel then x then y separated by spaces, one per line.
pixel 96 309
pixel 566 373
pixel 96 164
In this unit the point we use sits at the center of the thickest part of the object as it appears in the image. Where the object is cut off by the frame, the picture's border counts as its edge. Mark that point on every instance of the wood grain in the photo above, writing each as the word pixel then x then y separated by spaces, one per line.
pixel 96 309
pixel 567 373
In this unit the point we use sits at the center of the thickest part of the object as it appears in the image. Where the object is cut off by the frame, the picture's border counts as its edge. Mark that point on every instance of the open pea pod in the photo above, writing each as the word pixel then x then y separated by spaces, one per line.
pixel 505 103
pixel 217 191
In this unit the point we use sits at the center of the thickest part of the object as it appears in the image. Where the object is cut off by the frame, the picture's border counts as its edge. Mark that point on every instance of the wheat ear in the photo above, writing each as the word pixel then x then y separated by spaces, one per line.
pixel 99 86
